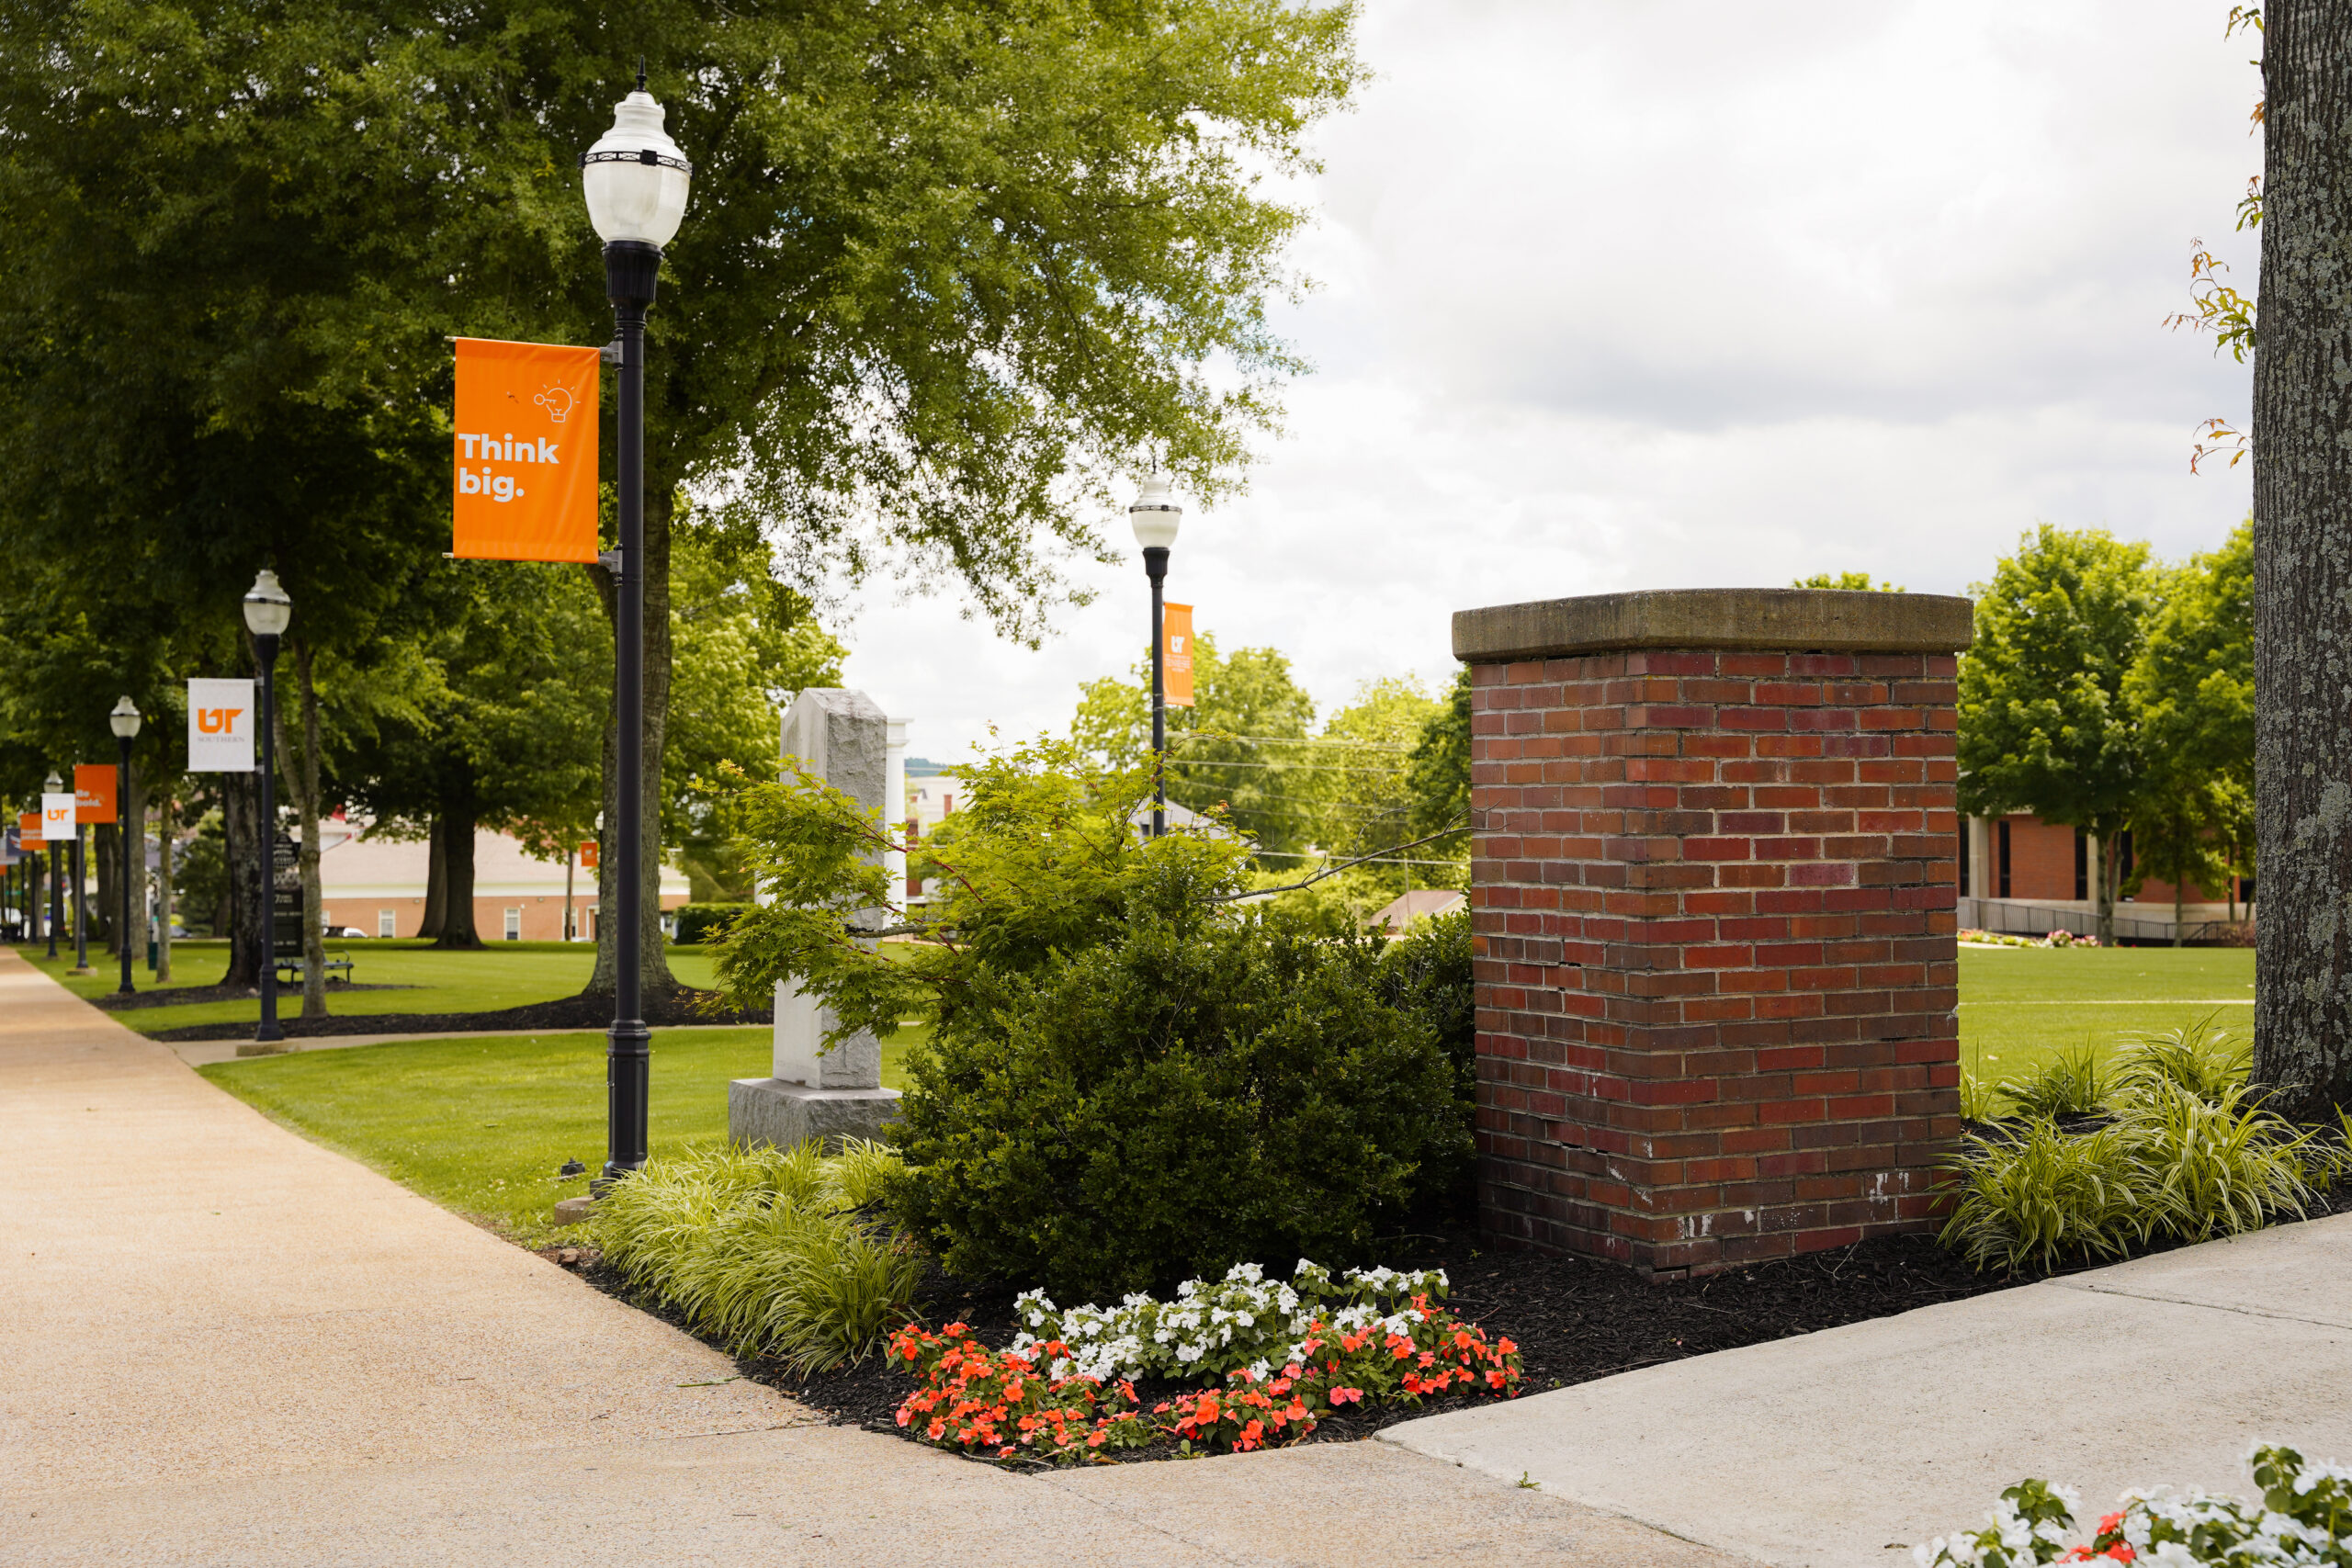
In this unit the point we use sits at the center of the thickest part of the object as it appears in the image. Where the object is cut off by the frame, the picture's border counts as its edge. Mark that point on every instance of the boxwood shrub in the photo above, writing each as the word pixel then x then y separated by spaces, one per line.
pixel 1210 1086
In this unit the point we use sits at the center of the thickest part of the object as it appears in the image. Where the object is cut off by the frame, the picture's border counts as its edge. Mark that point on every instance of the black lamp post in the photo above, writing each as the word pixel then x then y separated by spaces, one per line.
pixel 124 721
pixel 1154 517
pixel 267 612
pixel 55 785
pixel 635 178
pixel 81 896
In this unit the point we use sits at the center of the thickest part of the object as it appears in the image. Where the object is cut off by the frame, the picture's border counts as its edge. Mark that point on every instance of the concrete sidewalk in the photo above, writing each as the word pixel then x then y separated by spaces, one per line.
pixel 1840 1449
pixel 223 1345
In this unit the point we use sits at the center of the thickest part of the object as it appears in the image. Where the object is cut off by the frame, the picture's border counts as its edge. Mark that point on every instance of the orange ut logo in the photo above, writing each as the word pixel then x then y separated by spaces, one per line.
pixel 216 721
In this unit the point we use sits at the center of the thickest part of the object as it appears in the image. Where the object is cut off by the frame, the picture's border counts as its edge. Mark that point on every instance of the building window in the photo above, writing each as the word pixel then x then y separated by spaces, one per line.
pixel 2082 865
pixel 1967 831
pixel 387 922
pixel 513 925
pixel 2004 858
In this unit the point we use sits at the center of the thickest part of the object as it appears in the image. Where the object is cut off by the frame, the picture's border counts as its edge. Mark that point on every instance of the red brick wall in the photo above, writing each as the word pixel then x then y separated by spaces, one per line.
pixel 2041 859
pixel 1714 899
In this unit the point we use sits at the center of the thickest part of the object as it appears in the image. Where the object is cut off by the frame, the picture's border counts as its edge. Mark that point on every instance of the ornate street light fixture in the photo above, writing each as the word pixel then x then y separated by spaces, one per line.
pixel 635 179
pixel 1155 517
pixel 267 613
pixel 124 722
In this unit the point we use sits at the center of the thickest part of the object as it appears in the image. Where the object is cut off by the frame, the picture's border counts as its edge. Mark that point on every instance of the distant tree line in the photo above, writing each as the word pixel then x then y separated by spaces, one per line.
pixel 2112 693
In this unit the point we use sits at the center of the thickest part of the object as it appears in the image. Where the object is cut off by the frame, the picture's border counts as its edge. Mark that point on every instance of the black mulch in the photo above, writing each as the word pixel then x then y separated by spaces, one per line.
pixel 188 996
pixel 662 1009
pixel 1574 1319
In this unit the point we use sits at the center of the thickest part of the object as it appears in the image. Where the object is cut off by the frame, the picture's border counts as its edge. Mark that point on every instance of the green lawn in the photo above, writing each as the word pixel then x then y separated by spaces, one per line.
pixel 502 974
pixel 481 1126
pixel 2020 1006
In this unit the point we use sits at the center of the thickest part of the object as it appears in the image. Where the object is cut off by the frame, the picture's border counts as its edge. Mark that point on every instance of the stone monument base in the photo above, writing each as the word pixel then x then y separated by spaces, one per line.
pixel 770 1110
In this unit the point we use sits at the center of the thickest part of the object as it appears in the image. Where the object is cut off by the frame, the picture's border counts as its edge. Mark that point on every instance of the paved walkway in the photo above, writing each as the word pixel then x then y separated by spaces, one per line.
pixel 1838 1449
pixel 223 1345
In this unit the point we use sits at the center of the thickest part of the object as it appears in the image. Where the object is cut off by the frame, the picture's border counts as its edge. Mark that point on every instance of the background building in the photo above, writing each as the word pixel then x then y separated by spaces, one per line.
pixel 377 885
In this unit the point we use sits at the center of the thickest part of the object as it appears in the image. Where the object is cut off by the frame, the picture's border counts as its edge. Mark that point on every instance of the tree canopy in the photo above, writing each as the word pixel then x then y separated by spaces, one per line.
pixel 2044 722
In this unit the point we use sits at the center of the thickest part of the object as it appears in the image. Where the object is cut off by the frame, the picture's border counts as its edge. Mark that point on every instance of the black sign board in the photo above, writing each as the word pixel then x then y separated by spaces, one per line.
pixel 286 901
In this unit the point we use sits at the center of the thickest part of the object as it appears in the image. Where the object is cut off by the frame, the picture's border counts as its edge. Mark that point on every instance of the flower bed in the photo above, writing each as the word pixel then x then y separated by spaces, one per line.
pixel 1047 1398
pixel 2000 939
pixel 2305 1516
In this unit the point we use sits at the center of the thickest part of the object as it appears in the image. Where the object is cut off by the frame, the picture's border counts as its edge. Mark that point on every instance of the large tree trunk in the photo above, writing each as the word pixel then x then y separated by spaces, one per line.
pixel 105 845
pixel 300 772
pixel 241 824
pixel 2110 876
pixel 436 884
pixel 654 956
pixel 2303 566
pixel 166 823
pixel 133 813
pixel 457 824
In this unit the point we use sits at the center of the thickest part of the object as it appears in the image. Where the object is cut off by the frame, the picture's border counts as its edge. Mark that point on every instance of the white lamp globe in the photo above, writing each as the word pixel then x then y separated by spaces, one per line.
pixel 635 177
pixel 267 609
pixel 124 720
pixel 1154 515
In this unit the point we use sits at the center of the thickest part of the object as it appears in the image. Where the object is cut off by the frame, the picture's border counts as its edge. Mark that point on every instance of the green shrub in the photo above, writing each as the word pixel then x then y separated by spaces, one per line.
pixel 1427 969
pixel 763 1247
pixel 703 922
pixel 1209 1086
pixel 2070 1084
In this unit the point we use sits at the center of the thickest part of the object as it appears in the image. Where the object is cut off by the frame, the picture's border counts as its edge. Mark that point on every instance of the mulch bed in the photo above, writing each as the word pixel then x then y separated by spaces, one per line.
pixel 665 1010
pixel 188 996
pixel 1574 1319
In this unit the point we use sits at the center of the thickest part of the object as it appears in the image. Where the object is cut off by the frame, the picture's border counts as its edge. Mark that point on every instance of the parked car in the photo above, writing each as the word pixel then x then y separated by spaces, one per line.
pixel 341 933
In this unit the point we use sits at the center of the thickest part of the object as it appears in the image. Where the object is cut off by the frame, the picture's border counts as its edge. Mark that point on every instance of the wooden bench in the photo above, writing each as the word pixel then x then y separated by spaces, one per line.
pixel 290 969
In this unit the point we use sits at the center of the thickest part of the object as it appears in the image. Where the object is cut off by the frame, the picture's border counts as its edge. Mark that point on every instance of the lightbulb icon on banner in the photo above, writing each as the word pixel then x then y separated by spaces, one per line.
pixel 557 401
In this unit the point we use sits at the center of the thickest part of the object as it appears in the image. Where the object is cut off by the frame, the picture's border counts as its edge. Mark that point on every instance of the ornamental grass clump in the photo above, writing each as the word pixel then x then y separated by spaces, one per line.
pixel 2204 1060
pixel 2070 1084
pixel 2304 1516
pixel 2173 1166
pixel 767 1248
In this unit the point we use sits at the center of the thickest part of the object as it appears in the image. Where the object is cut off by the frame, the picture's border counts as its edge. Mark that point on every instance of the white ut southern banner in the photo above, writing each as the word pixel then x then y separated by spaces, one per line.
pixel 57 818
pixel 220 726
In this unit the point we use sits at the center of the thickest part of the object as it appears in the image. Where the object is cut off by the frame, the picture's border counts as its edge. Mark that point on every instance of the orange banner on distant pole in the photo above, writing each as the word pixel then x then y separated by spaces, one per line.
pixel 525 484
pixel 1176 633
pixel 28 827
pixel 93 792
pixel 588 855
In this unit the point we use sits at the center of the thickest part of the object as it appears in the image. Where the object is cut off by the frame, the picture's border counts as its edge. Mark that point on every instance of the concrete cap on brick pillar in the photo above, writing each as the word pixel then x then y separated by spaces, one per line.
pixel 1811 620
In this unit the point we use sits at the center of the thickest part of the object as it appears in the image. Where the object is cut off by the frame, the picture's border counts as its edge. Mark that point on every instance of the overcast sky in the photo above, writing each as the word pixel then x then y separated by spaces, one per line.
pixel 1692 293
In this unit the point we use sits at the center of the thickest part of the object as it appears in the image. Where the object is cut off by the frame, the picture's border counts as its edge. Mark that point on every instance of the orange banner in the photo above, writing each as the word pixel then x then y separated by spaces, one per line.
pixel 28 829
pixel 588 855
pixel 526 486
pixel 93 792
pixel 1176 665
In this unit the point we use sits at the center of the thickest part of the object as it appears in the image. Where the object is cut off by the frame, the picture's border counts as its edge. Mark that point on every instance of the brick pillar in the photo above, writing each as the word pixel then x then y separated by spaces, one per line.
pixel 1712 888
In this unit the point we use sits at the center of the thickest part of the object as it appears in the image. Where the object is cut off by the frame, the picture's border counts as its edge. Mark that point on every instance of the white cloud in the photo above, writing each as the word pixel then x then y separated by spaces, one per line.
pixel 1692 292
